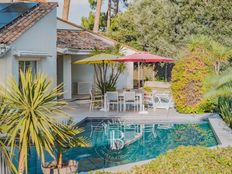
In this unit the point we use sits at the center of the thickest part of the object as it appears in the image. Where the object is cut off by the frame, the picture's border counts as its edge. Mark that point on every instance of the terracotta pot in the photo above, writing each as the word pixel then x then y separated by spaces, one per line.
pixel 69 167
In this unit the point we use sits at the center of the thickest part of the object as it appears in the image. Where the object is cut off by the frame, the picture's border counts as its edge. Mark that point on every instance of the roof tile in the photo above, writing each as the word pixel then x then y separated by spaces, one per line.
pixel 13 31
pixel 75 39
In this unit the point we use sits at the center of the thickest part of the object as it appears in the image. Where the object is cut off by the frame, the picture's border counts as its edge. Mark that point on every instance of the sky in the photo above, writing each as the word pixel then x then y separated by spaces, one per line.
pixel 78 8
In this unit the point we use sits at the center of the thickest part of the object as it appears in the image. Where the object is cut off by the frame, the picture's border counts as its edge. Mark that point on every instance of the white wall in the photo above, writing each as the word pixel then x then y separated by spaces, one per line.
pixel 39 38
pixel 126 79
pixel 67 76
pixel 82 73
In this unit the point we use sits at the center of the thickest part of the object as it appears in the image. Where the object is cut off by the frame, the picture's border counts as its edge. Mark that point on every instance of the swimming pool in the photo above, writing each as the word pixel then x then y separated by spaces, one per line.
pixel 116 142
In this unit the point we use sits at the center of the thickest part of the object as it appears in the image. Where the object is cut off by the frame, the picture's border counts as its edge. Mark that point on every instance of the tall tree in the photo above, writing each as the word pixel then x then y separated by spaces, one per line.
pixel 97 16
pixel 66 8
pixel 109 15
pixel 163 26
pixel 105 17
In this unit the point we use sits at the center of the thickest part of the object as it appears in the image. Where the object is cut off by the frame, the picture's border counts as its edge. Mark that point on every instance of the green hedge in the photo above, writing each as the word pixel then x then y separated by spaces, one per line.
pixel 189 160
pixel 188 84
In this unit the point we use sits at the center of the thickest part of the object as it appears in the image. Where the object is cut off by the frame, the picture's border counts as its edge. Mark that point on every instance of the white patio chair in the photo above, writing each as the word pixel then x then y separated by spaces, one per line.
pixel 130 99
pixel 161 101
pixel 112 99
pixel 96 100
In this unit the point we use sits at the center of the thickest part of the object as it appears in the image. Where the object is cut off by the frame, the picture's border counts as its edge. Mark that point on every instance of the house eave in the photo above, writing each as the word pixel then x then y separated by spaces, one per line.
pixel 25 53
pixel 72 51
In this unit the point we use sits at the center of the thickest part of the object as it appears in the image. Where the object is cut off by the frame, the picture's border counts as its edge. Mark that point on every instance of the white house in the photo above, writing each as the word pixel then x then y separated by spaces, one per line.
pixel 74 43
pixel 39 40
pixel 28 40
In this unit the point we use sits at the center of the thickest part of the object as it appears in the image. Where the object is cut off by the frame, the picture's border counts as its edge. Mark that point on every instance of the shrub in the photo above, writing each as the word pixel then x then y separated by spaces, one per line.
pixel 188 85
pixel 191 160
pixel 188 159
pixel 225 109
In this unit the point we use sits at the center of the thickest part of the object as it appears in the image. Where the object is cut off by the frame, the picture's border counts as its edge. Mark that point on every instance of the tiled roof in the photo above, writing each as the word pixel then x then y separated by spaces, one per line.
pixel 74 39
pixel 13 31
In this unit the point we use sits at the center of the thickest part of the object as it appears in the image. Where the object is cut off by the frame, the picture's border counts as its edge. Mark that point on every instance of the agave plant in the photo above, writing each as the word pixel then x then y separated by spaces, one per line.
pixel 30 111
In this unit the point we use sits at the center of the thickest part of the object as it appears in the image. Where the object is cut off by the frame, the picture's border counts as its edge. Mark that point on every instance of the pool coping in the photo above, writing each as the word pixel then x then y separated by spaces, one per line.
pixel 222 132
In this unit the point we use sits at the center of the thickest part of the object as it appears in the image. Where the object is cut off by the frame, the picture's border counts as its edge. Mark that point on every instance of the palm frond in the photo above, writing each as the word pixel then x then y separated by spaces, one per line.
pixel 30 113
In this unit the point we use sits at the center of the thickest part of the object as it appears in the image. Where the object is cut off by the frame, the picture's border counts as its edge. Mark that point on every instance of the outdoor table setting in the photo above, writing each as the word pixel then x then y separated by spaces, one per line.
pixel 121 100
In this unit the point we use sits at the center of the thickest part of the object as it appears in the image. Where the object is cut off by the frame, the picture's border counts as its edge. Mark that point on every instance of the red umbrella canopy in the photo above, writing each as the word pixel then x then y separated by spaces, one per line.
pixel 144 57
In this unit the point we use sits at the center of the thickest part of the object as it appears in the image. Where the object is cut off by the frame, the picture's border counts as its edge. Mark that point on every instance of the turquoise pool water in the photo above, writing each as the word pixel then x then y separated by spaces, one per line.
pixel 115 142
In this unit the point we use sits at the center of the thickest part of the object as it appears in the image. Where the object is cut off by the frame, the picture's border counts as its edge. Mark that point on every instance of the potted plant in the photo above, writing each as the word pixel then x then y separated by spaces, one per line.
pixel 60 166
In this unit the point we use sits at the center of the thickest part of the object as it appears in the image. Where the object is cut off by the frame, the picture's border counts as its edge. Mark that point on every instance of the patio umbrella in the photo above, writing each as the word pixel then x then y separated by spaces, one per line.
pixel 144 57
pixel 102 59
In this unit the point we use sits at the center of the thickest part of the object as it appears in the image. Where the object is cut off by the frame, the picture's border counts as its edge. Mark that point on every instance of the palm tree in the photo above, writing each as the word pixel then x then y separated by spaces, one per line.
pixel 219 54
pixel 30 115
pixel 222 91
pixel 97 16
pixel 221 84
pixel 66 8
pixel 210 50
pixel 109 15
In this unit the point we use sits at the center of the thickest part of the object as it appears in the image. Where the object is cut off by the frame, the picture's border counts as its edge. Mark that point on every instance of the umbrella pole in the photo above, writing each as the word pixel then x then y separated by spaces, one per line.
pixel 138 75
pixel 142 70
pixel 166 78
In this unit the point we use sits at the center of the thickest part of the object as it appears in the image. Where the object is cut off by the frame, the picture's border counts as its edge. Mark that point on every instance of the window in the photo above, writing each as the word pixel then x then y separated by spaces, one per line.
pixel 25 65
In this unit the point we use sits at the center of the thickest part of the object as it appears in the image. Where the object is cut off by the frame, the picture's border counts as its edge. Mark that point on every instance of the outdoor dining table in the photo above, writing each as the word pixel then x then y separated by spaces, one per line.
pixel 138 95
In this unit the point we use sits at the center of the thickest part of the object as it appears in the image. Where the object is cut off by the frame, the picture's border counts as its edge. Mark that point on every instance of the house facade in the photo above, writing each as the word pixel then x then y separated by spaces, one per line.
pixel 44 43
pixel 29 41
pixel 75 43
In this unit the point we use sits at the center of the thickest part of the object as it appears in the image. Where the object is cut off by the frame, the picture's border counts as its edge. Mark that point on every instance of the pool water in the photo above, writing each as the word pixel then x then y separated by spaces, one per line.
pixel 115 142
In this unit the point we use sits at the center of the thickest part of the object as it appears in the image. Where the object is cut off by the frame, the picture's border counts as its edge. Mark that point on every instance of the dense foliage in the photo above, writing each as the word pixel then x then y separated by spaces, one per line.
pixel 189 160
pixel 222 89
pixel 203 57
pixel 188 86
pixel 162 26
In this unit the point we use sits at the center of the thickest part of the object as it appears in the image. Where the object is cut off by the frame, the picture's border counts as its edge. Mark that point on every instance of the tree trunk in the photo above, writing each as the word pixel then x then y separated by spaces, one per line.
pixel 116 7
pixel 97 16
pixel 66 7
pixel 109 15
pixel 60 160
pixel 21 165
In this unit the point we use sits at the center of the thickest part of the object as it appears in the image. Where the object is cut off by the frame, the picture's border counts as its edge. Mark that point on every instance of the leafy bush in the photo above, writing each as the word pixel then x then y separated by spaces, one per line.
pixel 190 160
pixel 225 109
pixel 188 85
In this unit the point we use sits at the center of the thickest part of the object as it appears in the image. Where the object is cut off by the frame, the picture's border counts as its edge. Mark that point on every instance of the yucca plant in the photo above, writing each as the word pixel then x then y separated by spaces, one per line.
pixel 4 152
pixel 30 111
pixel 74 141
